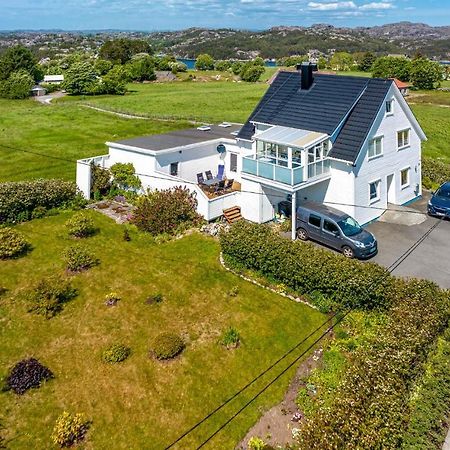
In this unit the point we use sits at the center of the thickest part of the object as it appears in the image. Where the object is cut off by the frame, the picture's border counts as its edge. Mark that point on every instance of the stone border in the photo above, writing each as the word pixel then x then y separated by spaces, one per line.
pixel 268 288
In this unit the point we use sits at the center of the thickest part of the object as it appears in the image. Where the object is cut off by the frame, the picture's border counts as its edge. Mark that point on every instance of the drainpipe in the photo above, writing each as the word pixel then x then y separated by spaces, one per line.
pixel 294 216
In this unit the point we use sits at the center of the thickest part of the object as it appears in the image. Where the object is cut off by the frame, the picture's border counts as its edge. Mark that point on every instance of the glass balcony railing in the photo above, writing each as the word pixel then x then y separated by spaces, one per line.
pixel 271 171
pixel 318 168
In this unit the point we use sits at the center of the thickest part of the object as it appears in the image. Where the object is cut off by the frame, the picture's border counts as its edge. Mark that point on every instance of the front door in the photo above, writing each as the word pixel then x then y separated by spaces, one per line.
pixel 390 186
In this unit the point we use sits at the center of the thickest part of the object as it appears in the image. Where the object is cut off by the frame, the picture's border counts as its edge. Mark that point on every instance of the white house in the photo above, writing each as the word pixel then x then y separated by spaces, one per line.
pixel 350 142
pixel 53 79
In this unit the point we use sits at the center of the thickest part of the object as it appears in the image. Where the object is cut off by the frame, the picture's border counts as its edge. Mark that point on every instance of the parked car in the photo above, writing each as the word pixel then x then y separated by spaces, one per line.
pixel 439 204
pixel 335 229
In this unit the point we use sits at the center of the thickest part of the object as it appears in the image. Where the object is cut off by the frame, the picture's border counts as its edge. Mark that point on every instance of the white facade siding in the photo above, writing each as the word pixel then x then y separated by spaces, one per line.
pixel 387 167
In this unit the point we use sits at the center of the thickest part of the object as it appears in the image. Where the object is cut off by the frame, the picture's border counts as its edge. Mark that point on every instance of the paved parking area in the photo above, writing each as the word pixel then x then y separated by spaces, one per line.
pixel 431 260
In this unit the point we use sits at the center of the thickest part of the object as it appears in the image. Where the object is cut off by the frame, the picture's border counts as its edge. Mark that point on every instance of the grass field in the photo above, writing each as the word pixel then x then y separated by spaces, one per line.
pixel 141 403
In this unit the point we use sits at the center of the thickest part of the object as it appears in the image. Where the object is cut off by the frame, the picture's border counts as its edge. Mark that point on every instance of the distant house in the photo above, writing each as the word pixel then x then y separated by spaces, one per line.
pixel 402 86
pixel 53 79
pixel 37 91
pixel 348 142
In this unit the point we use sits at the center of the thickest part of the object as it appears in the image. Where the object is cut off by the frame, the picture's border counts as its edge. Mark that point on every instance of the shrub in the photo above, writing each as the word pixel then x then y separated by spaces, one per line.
pixel 155 298
pixel 256 443
pixel 80 225
pixel 168 211
pixel 27 374
pixel 12 243
pixel 48 296
pixel 305 268
pixel 111 299
pixel 167 346
pixel 116 353
pixel 39 212
pixel 69 429
pixel 19 199
pixel 100 180
pixel 230 338
pixel 78 258
pixel 434 172
pixel 124 178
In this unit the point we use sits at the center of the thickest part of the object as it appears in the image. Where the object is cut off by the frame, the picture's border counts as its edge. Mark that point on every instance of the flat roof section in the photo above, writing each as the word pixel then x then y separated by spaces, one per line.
pixel 180 138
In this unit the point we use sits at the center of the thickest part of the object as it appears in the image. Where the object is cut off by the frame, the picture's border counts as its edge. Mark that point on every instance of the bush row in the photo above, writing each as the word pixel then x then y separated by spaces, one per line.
pixel 430 406
pixel 18 200
pixel 370 408
pixel 306 268
pixel 434 172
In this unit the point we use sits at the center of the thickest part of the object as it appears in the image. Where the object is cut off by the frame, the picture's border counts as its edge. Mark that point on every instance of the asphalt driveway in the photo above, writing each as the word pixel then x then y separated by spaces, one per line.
pixel 431 260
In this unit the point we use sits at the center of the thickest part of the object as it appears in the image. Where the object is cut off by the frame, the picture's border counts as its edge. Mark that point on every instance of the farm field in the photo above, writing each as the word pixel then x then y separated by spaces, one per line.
pixel 141 403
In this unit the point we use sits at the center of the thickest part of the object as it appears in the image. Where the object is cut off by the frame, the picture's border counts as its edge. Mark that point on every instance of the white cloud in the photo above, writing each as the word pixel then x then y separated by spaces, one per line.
pixel 377 5
pixel 331 6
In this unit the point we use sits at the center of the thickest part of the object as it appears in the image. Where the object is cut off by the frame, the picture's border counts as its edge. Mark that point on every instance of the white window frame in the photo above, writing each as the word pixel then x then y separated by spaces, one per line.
pixel 376 155
pixel 401 147
pixel 391 112
pixel 231 156
pixel 408 181
pixel 378 197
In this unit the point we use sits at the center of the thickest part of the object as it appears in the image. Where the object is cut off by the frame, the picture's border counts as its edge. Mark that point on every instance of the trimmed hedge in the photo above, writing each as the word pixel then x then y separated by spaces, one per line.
pixel 306 268
pixel 18 200
pixel 167 346
pixel 370 407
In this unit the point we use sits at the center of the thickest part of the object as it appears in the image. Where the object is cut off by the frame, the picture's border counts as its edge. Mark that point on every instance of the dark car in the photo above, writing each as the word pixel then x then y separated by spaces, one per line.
pixel 335 229
pixel 439 204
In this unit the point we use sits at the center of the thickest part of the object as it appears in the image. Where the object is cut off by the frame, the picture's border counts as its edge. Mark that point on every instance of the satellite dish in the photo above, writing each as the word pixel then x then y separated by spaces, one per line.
pixel 221 148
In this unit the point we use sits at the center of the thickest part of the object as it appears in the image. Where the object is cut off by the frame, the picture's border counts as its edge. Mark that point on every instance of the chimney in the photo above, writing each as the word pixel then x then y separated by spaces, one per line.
pixel 307 70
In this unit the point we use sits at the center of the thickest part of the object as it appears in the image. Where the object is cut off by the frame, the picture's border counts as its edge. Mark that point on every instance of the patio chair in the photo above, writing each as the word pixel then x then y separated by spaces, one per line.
pixel 220 171
pixel 200 179
pixel 220 186
pixel 229 184
pixel 209 175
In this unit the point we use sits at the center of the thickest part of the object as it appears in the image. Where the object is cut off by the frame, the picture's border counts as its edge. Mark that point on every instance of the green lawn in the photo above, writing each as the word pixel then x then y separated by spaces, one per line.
pixel 141 403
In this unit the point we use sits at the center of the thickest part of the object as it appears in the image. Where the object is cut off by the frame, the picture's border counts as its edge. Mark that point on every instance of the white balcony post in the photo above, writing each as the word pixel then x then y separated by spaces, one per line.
pixel 294 216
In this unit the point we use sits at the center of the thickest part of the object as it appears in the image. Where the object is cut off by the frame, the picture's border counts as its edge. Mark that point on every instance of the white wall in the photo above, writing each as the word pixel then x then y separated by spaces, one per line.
pixel 392 161
pixel 84 177
pixel 143 162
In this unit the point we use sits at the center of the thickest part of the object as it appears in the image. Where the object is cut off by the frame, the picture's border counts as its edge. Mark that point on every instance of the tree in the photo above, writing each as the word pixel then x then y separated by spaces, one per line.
pixel 102 66
pixel 367 61
pixel 16 58
pixel 424 73
pixel 17 86
pixel 165 63
pixel 392 67
pixel 252 72
pixel 341 61
pixel 204 62
pixel 141 69
pixel 114 82
pixel 322 63
pixel 236 67
pixel 81 79
pixel 121 50
pixel 222 66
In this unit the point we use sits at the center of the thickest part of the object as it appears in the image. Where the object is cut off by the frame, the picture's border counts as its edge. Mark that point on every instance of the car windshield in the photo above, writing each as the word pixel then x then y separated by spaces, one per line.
pixel 443 192
pixel 349 226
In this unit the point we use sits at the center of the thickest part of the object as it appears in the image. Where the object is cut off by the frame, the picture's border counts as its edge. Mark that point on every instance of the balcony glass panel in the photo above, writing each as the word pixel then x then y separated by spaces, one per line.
pixel 283 174
pixel 265 170
pixel 250 166
pixel 297 175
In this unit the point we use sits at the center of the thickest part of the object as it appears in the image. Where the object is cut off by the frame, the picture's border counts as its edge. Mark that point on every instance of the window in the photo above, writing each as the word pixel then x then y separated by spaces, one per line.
pixel 374 191
pixel 389 107
pixel 375 147
pixel 174 169
pixel 330 227
pixel 233 162
pixel 349 226
pixel 314 220
pixel 404 177
pixel 402 138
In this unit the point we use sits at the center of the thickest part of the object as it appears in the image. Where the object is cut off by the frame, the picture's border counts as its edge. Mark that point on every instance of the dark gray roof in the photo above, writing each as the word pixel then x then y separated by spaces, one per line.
pixel 322 108
pixel 178 138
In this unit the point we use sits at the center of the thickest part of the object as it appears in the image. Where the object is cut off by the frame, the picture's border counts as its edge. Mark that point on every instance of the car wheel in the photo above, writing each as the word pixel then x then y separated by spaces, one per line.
pixel 348 252
pixel 302 234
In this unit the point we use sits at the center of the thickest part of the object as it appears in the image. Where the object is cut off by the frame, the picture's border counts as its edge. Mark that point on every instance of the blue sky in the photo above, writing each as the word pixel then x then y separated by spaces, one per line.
pixel 249 14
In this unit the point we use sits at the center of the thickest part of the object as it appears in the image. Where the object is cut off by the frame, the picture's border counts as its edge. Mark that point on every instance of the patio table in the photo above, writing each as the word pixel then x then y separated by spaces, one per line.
pixel 211 182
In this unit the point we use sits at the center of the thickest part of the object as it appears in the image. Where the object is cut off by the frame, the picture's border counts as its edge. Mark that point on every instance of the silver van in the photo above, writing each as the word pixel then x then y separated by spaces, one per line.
pixel 336 229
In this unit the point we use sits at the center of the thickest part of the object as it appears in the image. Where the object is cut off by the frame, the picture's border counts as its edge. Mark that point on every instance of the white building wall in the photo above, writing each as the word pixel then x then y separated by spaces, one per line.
pixel 143 162
pixel 390 163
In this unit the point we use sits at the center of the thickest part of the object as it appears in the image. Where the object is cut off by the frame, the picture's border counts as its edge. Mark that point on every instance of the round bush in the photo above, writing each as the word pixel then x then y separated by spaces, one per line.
pixel 78 258
pixel 27 374
pixel 116 353
pixel 167 346
pixel 69 429
pixel 12 243
pixel 80 225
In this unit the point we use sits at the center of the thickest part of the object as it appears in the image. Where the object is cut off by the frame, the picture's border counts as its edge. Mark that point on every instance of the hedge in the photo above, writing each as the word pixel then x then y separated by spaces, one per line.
pixel 18 200
pixel 434 172
pixel 305 268
pixel 370 407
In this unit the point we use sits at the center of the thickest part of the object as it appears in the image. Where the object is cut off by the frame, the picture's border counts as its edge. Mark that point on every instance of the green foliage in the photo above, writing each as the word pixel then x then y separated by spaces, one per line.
pixel 251 72
pixel 291 61
pixel 141 69
pixel 304 268
pixel 124 178
pixel 165 62
pixel 256 443
pixel 342 61
pixel 12 243
pixel 103 66
pixel 236 67
pixel 425 73
pixel 48 296
pixel 392 67
pixel 114 82
pixel 222 65
pixel 167 346
pixel 80 225
pixel 17 86
pixel 204 62
pixel 368 409
pixel 168 211
pixel 366 63
pixel 69 429
pixel 81 79
pixel 79 258
pixel 120 51
pixel 230 338
pixel 19 199
pixel 16 59
pixel 434 172
pixel 100 180
pixel 116 353
pixel 429 405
